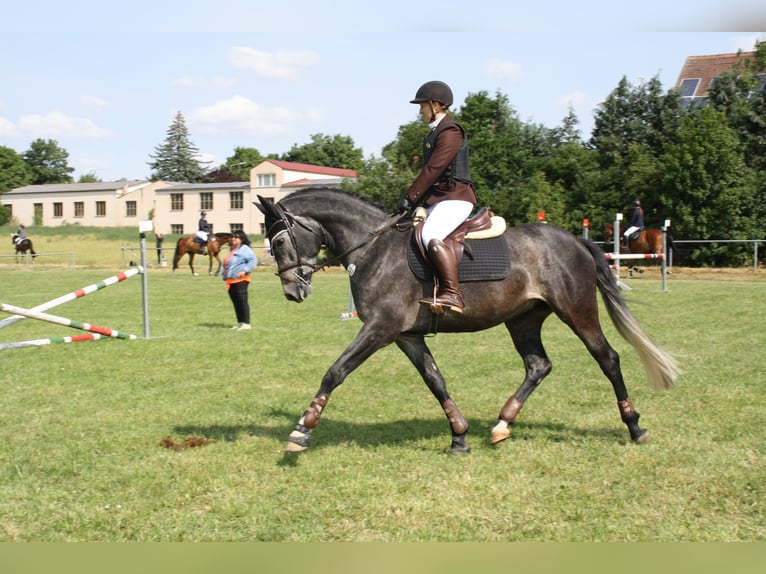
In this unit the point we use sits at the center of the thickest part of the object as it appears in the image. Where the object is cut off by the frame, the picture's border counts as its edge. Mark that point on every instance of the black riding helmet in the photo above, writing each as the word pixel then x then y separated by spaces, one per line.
pixel 434 91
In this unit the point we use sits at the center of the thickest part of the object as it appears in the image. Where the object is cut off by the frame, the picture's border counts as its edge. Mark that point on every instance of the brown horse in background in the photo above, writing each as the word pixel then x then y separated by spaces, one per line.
pixel 648 241
pixel 22 246
pixel 187 246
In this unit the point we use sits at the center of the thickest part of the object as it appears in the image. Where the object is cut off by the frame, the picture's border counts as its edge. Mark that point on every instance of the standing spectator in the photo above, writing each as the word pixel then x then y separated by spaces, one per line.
pixel 266 256
pixel 159 238
pixel 236 270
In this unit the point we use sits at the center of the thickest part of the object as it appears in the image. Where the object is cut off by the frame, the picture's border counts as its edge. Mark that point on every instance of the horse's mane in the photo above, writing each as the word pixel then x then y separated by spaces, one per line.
pixel 338 191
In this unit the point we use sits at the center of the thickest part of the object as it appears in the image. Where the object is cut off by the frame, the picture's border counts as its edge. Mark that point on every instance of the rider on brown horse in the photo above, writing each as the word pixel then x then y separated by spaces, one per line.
pixel 635 225
pixel 203 232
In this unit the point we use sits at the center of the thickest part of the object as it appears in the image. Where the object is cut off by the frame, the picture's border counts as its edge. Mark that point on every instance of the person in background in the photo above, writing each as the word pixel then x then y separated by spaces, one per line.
pixel 444 186
pixel 236 270
pixel 636 223
pixel 158 239
pixel 266 255
pixel 203 231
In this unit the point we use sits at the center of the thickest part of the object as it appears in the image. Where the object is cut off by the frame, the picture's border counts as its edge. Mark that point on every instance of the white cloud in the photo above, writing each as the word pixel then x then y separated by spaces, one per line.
pixel 8 129
pixel 239 114
pixel 504 70
pixel 52 125
pixel 578 100
pixel 281 65
pixel 204 82
pixel 94 103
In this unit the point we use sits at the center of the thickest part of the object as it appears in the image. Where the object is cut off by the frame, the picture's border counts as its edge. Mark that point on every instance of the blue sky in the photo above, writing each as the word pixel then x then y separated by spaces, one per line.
pixel 106 86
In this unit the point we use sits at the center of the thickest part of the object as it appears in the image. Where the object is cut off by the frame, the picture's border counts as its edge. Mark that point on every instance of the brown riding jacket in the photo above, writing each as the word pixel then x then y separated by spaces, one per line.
pixel 427 184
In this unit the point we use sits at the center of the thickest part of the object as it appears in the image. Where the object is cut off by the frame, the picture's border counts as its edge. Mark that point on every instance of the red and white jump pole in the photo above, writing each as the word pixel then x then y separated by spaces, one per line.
pixel 74 295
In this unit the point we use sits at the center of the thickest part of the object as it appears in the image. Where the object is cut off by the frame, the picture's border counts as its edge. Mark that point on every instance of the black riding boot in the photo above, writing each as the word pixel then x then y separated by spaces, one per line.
pixel 443 261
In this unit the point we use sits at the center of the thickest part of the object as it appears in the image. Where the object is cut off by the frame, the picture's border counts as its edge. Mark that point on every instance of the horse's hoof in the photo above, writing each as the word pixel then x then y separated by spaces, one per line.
pixel 499 436
pixel 195 274
pixel 294 447
pixel 643 438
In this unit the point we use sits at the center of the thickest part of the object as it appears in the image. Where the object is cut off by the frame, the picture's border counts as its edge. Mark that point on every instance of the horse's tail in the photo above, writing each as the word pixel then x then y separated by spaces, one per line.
pixel 661 367
pixel 175 255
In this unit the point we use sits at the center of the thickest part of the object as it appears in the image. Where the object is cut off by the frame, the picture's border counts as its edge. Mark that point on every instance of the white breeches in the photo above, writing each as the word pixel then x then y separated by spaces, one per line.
pixel 443 218
pixel 630 230
pixel 202 235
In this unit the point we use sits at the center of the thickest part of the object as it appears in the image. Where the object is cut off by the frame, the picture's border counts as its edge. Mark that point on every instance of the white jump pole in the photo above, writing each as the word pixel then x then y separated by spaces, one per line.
pixel 616 238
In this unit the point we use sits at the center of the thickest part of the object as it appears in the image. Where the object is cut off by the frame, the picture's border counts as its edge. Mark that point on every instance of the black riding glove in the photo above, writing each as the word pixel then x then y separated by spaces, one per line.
pixel 405 205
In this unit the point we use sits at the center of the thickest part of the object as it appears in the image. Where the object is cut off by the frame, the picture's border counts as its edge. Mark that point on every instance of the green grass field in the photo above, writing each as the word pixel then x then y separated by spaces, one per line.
pixel 81 423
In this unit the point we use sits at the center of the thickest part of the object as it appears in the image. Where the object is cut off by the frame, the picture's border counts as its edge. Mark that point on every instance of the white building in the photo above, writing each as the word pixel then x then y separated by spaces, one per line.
pixel 174 207
pixel 100 204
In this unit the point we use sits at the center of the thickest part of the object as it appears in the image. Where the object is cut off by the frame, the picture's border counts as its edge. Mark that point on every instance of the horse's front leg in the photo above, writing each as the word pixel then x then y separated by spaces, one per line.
pixel 414 346
pixel 361 348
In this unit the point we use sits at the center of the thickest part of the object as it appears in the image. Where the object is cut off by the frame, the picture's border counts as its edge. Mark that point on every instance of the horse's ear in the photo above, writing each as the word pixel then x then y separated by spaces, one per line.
pixel 264 205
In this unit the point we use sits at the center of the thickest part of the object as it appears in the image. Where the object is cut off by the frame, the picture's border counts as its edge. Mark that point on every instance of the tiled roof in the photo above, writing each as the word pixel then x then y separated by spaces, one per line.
pixel 331 171
pixel 706 69
pixel 78 187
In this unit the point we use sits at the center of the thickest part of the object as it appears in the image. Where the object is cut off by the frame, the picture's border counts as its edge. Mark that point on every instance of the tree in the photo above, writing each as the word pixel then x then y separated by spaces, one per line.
pixel 89 177
pixel 176 159
pixel 240 164
pixel 336 151
pixel 47 162
pixel 14 171
pixel 710 191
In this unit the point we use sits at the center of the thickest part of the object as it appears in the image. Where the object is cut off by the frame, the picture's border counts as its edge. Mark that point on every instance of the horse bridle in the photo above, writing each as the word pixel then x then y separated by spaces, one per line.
pixel 286 224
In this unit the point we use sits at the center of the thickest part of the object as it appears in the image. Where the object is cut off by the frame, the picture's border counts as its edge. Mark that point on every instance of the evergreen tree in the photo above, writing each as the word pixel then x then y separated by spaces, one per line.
pixel 47 162
pixel 176 158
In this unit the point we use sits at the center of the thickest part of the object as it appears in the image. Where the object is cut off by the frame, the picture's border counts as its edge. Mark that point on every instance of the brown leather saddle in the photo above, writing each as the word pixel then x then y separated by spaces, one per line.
pixel 456 240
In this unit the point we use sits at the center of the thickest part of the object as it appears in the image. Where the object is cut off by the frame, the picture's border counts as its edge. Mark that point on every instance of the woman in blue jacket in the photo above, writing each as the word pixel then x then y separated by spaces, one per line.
pixel 236 270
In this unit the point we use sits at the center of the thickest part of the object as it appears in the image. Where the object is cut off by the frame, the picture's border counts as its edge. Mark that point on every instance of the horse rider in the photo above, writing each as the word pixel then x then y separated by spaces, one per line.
pixel 444 186
pixel 636 223
pixel 21 233
pixel 203 231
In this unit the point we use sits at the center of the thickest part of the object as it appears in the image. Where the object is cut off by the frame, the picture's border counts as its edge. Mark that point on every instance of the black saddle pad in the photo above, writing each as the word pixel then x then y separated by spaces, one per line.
pixel 483 260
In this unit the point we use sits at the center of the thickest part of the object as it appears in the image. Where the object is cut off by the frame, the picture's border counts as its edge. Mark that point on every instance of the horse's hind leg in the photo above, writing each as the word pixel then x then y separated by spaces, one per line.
pixel 417 351
pixel 525 333
pixel 590 333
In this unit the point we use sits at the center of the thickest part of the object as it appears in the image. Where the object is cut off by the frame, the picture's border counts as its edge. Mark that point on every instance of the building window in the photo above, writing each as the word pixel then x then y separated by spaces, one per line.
pixel 689 87
pixel 38 207
pixel 176 202
pixel 177 229
pixel 267 180
pixel 101 209
pixel 130 209
pixel 235 200
pixel 9 207
pixel 206 200
pixel 236 227
pixel 79 209
pixel 58 209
